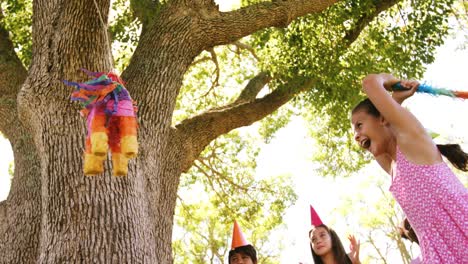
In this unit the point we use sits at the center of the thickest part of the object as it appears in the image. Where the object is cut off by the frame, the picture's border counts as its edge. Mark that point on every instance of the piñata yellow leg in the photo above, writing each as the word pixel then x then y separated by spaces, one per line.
pixel 99 136
pixel 93 164
pixel 128 133
pixel 129 146
pixel 119 164
pixel 99 143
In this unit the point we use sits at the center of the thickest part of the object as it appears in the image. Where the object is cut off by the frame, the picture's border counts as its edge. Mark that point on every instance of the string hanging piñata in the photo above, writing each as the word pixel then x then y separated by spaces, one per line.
pixel 110 119
pixel 425 88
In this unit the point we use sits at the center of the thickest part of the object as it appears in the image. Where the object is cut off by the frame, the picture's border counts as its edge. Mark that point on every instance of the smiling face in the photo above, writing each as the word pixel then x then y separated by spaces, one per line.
pixel 321 241
pixel 372 133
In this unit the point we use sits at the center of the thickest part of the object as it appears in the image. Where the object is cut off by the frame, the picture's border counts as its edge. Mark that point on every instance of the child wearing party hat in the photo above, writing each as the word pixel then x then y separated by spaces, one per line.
pixel 326 246
pixel 241 251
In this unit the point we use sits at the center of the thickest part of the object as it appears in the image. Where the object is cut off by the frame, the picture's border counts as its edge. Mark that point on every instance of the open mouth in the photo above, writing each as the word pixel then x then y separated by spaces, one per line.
pixel 365 144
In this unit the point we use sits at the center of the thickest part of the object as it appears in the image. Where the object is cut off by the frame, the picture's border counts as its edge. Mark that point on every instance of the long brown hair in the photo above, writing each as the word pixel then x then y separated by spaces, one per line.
pixel 407 232
pixel 452 152
pixel 337 248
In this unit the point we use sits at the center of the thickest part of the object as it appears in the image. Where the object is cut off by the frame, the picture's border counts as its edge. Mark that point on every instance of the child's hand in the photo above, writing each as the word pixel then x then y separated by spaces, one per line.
pixel 402 95
pixel 354 247
pixel 388 80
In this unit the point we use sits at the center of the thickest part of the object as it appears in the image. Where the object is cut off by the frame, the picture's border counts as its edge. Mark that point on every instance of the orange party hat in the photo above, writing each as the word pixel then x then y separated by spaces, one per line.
pixel 238 239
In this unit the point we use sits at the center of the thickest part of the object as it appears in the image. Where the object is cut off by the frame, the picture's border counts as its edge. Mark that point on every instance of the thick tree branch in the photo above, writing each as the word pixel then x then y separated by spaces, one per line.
pixel 199 25
pixel 12 76
pixel 144 10
pixel 199 131
pixel 363 21
pixel 227 27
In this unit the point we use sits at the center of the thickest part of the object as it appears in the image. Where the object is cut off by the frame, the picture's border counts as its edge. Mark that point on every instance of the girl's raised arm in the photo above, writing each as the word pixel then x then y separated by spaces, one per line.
pixel 376 87
pixel 410 134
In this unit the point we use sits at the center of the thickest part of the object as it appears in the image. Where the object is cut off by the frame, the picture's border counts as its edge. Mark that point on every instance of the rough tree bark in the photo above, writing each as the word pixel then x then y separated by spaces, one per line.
pixel 54 214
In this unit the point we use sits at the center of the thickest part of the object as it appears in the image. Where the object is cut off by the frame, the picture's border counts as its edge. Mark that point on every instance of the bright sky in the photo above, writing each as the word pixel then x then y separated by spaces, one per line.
pixel 6 157
pixel 445 116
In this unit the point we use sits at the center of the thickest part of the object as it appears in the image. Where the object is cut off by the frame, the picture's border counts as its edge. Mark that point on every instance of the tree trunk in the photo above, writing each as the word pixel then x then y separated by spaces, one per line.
pixel 22 211
pixel 101 219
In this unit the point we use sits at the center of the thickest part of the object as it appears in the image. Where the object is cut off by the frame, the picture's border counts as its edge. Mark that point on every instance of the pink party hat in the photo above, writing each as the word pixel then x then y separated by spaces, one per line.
pixel 314 218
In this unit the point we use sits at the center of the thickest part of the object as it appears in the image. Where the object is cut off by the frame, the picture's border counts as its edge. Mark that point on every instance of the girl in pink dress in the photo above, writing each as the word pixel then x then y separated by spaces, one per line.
pixel 432 197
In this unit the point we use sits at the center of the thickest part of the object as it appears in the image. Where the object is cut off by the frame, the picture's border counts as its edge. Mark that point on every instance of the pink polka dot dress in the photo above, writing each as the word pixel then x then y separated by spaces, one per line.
pixel 436 204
